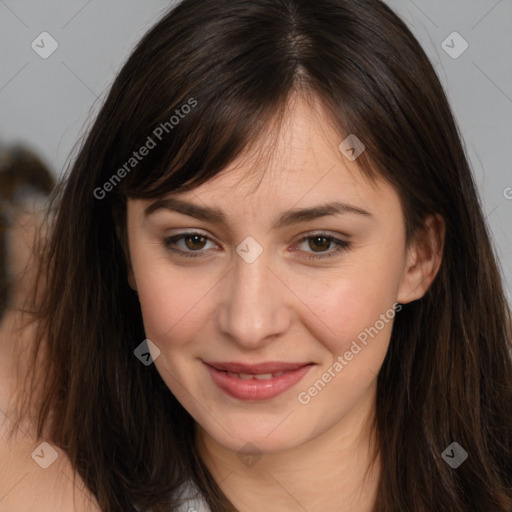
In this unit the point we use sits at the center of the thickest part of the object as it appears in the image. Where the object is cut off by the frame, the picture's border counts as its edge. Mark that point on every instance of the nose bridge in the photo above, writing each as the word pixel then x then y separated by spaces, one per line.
pixel 254 308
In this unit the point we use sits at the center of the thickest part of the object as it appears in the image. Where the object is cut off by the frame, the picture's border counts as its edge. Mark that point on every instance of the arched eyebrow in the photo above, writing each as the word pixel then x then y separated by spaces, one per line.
pixel 288 218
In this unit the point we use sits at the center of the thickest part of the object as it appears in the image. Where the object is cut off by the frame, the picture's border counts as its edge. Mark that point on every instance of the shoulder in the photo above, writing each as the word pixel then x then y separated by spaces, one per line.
pixel 38 476
pixel 34 476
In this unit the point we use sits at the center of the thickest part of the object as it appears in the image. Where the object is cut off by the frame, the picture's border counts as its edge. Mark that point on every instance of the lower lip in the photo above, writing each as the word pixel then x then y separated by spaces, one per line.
pixel 254 389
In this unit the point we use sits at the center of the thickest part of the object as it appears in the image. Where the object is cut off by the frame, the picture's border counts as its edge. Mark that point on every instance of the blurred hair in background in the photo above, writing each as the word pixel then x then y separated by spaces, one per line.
pixel 25 184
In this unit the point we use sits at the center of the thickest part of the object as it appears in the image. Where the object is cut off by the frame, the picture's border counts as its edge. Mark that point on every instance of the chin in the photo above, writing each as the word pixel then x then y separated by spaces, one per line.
pixel 264 436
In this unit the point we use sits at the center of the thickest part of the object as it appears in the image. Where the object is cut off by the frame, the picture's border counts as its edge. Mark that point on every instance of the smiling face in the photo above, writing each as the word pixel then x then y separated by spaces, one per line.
pixel 233 280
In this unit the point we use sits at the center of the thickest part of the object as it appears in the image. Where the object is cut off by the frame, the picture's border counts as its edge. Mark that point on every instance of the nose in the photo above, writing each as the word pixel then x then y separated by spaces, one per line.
pixel 254 308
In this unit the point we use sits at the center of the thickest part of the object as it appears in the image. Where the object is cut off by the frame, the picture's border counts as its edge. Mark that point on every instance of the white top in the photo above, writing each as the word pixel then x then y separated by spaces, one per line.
pixel 192 504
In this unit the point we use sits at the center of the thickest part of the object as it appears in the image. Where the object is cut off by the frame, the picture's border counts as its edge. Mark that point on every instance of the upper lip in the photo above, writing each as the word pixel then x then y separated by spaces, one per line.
pixel 259 368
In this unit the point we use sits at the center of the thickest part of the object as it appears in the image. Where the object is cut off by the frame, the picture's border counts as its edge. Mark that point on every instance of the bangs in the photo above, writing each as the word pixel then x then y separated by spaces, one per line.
pixel 196 110
pixel 213 134
pixel 199 109
pixel 208 140
pixel 193 97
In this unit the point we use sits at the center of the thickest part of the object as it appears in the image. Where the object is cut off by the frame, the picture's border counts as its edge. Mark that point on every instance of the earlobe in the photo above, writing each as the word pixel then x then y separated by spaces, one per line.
pixel 424 258
pixel 123 240
pixel 130 274
pixel 131 278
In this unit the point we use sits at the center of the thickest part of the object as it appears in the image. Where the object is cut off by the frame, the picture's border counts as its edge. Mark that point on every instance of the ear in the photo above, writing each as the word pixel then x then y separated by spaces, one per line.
pixel 424 257
pixel 131 277
pixel 123 240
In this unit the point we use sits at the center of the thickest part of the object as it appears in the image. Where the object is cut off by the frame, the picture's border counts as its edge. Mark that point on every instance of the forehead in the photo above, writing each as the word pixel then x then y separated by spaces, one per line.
pixel 294 163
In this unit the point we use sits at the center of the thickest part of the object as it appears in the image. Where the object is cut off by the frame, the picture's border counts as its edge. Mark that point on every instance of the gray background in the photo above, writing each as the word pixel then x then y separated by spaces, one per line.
pixel 48 103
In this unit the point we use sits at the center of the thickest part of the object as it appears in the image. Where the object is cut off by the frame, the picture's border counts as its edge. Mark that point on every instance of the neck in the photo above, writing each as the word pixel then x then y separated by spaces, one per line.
pixel 16 338
pixel 334 471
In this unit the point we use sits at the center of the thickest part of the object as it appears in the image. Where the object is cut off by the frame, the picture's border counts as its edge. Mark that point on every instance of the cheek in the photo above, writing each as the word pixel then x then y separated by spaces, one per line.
pixel 341 303
pixel 357 294
pixel 175 300
pixel 354 298
pixel 357 317
pixel 170 306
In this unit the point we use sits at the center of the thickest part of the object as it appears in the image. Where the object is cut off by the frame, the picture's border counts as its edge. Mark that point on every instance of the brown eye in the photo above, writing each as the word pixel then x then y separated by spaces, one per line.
pixel 319 243
pixel 192 245
pixel 195 242
pixel 187 244
pixel 324 245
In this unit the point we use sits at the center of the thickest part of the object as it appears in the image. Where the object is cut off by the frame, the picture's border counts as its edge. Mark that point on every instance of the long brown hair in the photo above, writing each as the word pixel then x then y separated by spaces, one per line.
pixel 447 375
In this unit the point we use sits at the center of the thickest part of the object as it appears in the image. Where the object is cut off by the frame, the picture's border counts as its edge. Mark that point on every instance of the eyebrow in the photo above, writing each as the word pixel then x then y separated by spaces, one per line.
pixel 217 216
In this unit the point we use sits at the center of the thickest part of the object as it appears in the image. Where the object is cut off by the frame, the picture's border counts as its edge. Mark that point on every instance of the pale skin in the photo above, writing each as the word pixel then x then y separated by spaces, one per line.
pixel 25 486
pixel 279 307
pixel 282 307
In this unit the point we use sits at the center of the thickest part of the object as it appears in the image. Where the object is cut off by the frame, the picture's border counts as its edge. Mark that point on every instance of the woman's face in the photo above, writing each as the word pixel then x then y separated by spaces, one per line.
pixel 249 296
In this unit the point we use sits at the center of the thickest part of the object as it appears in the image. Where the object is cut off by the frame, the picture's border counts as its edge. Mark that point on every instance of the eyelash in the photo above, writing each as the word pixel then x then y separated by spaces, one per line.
pixel 341 245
